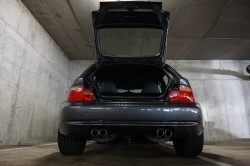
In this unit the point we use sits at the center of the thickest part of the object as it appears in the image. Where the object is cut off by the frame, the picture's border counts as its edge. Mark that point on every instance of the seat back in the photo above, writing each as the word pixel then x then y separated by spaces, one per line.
pixel 150 87
pixel 108 87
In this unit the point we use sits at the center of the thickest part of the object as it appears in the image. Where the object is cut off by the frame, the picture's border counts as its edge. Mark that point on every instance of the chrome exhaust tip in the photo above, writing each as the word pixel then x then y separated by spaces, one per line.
pixel 103 132
pixel 94 132
pixel 160 133
pixel 168 133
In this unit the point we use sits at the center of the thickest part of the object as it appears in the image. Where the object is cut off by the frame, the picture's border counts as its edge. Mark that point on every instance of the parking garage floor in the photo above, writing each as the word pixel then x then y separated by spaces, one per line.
pixel 224 154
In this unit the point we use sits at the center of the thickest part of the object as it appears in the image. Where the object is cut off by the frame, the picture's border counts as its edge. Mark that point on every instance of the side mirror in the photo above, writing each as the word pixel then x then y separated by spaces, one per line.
pixel 248 69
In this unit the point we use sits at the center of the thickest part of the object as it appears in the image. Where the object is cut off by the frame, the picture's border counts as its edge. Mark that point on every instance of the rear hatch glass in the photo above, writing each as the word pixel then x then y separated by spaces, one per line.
pixel 130 42
pixel 130 32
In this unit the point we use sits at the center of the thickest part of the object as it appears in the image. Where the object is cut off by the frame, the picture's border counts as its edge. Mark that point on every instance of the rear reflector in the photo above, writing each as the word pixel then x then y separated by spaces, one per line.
pixel 78 94
pixel 184 94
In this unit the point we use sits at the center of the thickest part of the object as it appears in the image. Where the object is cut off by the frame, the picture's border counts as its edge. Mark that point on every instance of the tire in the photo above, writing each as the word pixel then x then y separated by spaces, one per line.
pixel 248 69
pixel 189 147
pixel 70 146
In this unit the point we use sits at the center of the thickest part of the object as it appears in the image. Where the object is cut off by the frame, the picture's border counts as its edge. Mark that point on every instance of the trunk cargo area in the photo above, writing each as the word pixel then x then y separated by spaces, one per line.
pixel 131 80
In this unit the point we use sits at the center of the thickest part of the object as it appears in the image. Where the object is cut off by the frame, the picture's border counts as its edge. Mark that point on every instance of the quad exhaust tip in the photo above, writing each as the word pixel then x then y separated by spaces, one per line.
pixel 94 132
pixel 162 133
pixel 101 132
pixel 168 133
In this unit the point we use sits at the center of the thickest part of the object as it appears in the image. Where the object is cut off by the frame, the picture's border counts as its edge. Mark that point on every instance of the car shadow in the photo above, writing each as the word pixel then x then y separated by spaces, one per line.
pixel 97 154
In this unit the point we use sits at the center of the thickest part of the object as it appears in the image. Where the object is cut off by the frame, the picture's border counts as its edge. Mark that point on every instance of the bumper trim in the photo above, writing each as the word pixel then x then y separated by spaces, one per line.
pixel 126 123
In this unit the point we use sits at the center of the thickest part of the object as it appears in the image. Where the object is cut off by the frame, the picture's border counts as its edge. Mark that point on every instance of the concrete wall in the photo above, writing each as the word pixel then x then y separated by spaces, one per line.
pixel 33 77
pixel 76 68
pixel 221 87
pixel 223 90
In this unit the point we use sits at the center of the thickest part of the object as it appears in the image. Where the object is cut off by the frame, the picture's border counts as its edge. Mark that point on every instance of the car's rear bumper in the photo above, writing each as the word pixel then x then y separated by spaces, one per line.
pixel 185 120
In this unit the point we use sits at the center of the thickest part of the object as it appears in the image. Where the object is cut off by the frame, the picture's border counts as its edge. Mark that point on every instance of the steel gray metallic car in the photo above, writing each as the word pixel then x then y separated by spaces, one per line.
pixel 130 94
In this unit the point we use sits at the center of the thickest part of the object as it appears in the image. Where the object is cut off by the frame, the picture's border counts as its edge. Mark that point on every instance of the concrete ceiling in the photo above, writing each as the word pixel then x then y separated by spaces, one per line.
pixel 199 29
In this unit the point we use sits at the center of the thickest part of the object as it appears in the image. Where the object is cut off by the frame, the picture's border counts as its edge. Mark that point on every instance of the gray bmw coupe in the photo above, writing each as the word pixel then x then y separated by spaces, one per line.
pixel 130 94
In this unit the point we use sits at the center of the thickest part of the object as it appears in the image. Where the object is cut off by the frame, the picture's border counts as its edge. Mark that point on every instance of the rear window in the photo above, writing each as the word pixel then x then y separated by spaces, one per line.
pixel 130 42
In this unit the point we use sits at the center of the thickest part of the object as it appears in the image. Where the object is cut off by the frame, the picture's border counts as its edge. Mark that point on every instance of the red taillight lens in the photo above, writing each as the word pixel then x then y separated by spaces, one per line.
pixel 174 95
pixel 78 93
pixel 184 94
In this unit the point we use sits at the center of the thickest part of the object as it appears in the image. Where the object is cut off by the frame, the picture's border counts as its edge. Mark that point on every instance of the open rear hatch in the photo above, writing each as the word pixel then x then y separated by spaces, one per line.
pixel 130 32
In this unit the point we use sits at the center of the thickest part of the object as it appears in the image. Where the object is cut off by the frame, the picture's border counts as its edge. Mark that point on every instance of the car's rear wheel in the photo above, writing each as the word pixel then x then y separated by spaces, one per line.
pixel 70 146
pixel 189 147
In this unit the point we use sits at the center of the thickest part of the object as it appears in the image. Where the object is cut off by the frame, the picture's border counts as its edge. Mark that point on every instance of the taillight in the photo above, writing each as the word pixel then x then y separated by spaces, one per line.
pixel 184 94
pixel 77 94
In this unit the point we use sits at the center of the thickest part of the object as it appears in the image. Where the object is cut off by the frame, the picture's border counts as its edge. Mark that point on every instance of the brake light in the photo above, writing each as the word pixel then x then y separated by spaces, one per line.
pixel 184 94
pixel 78 93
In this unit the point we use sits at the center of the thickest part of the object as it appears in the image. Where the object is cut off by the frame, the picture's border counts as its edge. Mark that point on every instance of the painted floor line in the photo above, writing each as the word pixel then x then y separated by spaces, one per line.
pixel 26 147
pixel 213 161
pixel 204 158
pixel 167 145
pixel 34 146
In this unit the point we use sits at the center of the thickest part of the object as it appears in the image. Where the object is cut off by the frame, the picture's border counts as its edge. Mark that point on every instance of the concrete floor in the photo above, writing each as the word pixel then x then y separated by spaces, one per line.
pixel 224 154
